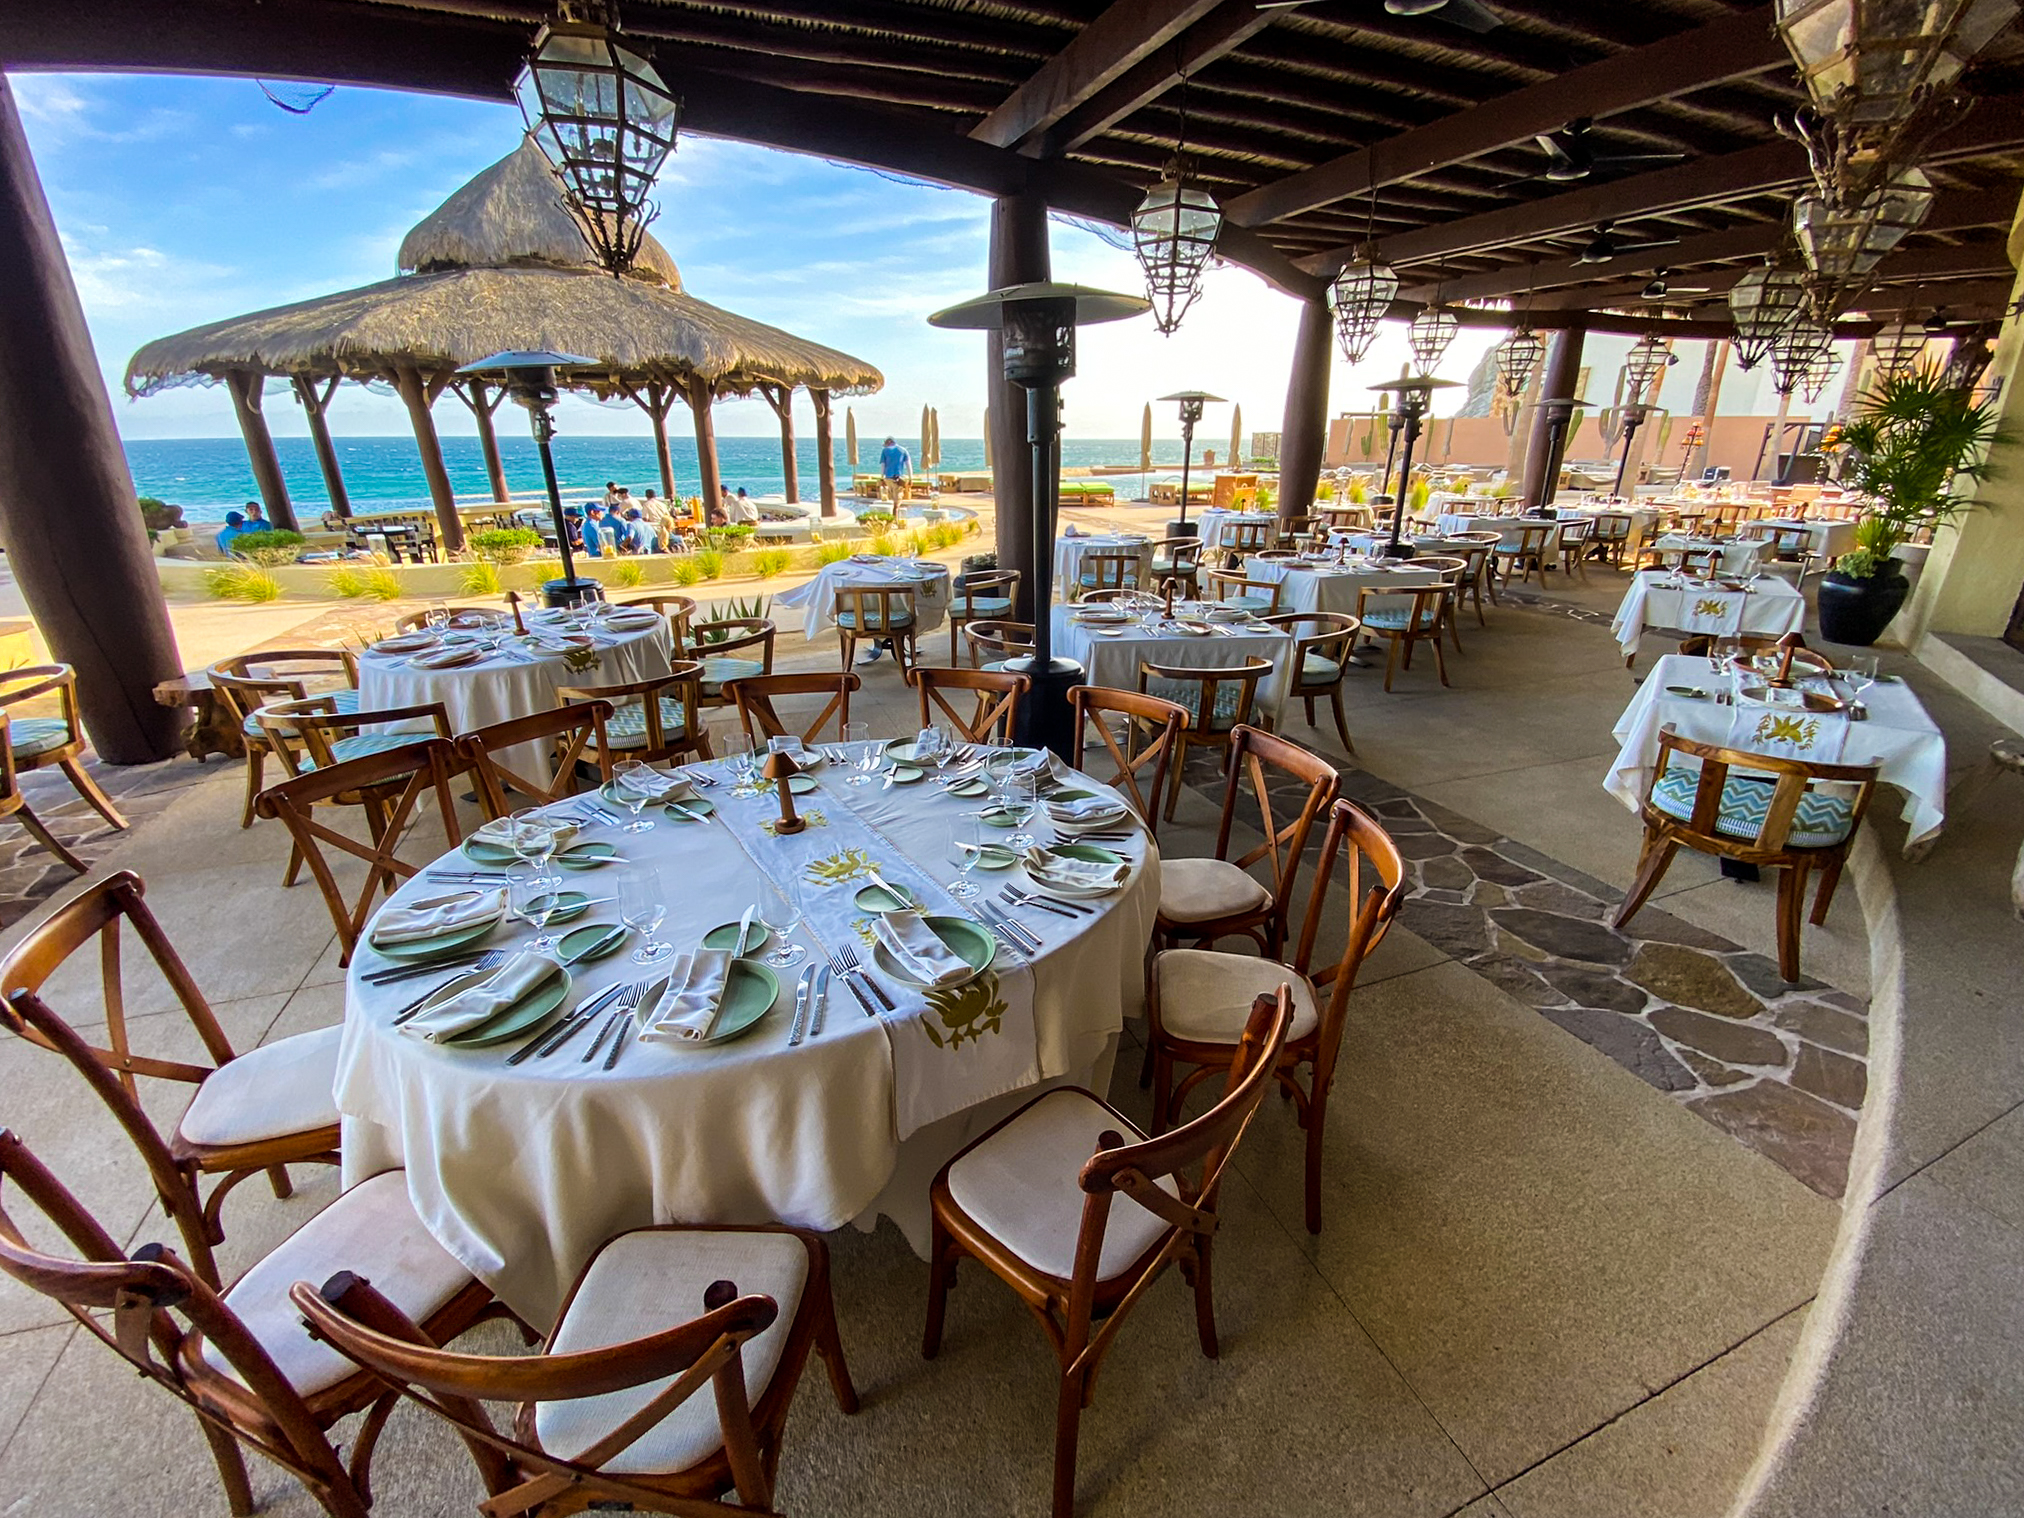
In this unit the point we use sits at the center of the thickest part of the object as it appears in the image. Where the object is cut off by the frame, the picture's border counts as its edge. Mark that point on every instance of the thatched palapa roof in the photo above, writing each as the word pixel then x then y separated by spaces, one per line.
pixel 500 265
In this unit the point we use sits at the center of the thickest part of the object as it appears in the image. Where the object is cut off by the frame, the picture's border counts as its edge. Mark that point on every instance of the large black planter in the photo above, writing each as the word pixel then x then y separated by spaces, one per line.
pixel 1857 611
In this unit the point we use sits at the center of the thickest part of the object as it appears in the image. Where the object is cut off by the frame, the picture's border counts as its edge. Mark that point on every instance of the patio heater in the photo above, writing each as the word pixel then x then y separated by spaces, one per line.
pixel 530 379
pixel 1648 359
pixel 1192 402
pixel 1410 400
pixel 1558 411
pixel 1038 322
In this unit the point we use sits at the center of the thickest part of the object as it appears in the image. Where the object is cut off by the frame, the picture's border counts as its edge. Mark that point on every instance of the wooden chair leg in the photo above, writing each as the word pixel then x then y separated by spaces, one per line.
pixel 1791 913
pixel 1823 895
pixel 1341 723
pixel 1146 1064
pixel 1163 1088
pixel 1454 626
pixel 1067 1433
pixel 1652 861
pixel 1440 657
pixel 277 1178
pixel 941 1276
pixel 256 764
pixel 1205 1300
pixel 88 789
pixel 829 1345
pixel 1390 659
pixel 231 1469
pixel 1317 1116
pixel 48 840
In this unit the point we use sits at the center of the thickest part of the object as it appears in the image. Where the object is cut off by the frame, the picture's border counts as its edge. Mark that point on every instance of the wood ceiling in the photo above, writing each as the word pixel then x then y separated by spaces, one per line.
pixel 1293 117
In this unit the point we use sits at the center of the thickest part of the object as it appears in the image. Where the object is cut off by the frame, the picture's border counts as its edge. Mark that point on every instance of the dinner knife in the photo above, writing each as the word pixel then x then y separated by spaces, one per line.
pixel 618 931
pixel 795 1031
pixel 819 1000
pixel 554 1038
pixel 744 930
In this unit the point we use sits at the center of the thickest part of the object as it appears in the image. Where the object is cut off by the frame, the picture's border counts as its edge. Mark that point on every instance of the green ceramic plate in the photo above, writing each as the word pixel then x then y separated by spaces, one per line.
pixel 726 933
pixel 907 774
pixel 905 751
pixel 1067 795
pixel 1691 692
pixel 482 851
pixel 586 856
pixel 801 785
pixel 1088 853
pixel 995 856
pixel 965 939
pixel 441 944
pixel 532 1011
pixel 701 806
pixel 971 787
pixel 997 817
pixel 573 943
pixel 878 899
pixel 682 793
pixel 750 990
pixel 571 905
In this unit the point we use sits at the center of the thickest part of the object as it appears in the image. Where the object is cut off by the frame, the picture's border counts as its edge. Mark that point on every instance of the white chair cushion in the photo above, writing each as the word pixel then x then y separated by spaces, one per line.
pixel 1201 890
pixel 371 1230
pixel 269 1092
pixel 642 1283
pixel 1205 997
pixel 1020 1185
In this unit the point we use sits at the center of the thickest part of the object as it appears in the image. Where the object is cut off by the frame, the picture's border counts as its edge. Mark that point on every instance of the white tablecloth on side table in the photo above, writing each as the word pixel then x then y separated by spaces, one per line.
pixel 1739 555
pixel 1898 737
pixel 1772 610
pixel 1326 587
pixel 1213 519
pixel 1069 554
pixel 1831 539
pixel 522 1171
pixel 930 582
pixel 1113 660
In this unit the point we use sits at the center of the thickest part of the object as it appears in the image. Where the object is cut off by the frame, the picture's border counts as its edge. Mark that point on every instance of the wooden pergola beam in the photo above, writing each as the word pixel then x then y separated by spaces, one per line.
pixel 1125 34
pixel 1735 47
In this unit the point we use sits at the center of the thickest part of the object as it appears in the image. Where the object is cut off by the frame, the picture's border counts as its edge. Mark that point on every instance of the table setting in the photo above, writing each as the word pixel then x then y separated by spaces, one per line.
pixel 1109 640
pixel 1335 581
pixel 564 1027
pixel 1737 556
pixel 928 579
pixel 1718 604
pixel 1071 548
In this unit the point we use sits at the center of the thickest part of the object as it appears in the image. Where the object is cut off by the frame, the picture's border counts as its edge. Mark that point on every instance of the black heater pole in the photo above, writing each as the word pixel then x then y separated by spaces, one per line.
pixel 1633 418
pixel 1043 430
pixel 544 432
pixel 1398 549
pixel 1187 458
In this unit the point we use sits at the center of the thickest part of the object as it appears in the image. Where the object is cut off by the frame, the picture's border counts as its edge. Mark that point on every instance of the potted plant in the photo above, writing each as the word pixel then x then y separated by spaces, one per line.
pixel 1912 440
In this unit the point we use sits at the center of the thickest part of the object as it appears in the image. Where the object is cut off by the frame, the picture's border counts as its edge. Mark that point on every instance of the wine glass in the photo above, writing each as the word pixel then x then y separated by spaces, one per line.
pixel 966 852
pixel 1019 798
pixel 862 752
pixel 531 894
pixel 780 921
pixel 643 906
pixel 1860 673
pixel 634 782
pixel 737 748
pixel 533 837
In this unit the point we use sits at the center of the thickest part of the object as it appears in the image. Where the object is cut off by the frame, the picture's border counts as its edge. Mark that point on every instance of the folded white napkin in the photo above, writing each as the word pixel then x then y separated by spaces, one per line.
pixel 406 643
pixel 921 953
pixel 438 914
pixel 500 831
pixel 695 986
pixel 446 658
pixel 479 1004
pixel 1079 874
pixel 655 783
pixel 1089 809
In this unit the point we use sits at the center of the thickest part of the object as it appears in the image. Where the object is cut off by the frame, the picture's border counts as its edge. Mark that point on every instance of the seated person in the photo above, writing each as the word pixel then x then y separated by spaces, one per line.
pixel 719 517
pixel 572 520
pixel 256 518
pixel 639 538
pixel 600 536
pixel 743 508
pixel 235 527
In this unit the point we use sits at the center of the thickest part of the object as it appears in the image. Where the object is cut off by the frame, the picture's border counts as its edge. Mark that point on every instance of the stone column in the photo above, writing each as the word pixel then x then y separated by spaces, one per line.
pixel 246 389
pixel 94 595
pixel 1303 431
pixel 1563 373
pixel 1018 256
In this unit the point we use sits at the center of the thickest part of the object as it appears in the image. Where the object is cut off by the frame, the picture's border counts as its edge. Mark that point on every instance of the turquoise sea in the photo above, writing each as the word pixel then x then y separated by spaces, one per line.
pixel 209 476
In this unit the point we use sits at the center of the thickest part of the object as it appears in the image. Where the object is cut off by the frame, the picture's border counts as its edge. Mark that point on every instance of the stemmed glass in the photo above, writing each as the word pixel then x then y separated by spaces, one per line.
pixel 863 755
pixel 1860 672
pixel 531 894
pixel 437 617
pixel 1019 798
pixel 643 906
pixel 635 782
pixel 966 852
pixel 737 747
pixel 534 837
pixel 780 921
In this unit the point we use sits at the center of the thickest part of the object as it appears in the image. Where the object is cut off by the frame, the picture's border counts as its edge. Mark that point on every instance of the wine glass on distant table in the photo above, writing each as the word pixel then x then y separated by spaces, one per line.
pixel 861 752
pixel 635 782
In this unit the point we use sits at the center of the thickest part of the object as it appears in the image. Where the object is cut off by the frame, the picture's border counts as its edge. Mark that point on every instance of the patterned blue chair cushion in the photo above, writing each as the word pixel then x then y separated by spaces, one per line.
pixel 1386 619
pixel 358 745
pixel 29 736
pixel 1319 669
pixel 627 727
pixel 1089 580
pixel 346 701
pixel 1823 818
pixel 983 606
pixel 1165 566
pixel 721 667
pixel 1256 605
pixel 1228 695
pixel 874 623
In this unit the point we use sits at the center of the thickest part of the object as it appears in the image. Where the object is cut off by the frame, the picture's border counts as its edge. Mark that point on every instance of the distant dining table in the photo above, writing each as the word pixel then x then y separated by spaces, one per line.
pixel 1826 537
pixel 1695 697
pixel 522 1168
pixel 928 580
pixel 1111 652
pixel 1738 556
pixel 1305 586
pixel 1666 599
pixel 1069 552
pixel 1214 519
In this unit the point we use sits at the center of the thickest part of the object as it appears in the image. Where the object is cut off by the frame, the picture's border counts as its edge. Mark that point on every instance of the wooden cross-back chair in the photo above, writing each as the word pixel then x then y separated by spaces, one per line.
pixel 1793 815
pixel 1218 700
pixel 612 1412
pixel 1322 644
pixel 754 696
pixel 263 1110
pixel 35 743
pixel 1197 998
pixel 1202 900
pixel 241 1360
pixel 878 613
pixel 1522 550
pixel 1574 544
pixel 1081 1248
pixel 724 648
pixel 1152 732
pixel 1245 535
pixel 1000 640
pixel 1405 616
pixel 562 735
pixel 247 682
pixel 1108 571
pixel 1178 560
pixel 1611 536
pixel 651 720
pixel 401 777
pixel 995 712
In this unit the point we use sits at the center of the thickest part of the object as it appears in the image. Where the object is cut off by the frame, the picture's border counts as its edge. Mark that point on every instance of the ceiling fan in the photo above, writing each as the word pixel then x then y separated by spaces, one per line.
pixel 1607 245
pixel 1663 289
pixel 1570 156
pixel 1470 15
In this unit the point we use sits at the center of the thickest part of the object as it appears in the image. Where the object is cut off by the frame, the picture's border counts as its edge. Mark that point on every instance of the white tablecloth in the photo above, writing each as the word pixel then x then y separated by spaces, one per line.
pixel 521 1172
pixel 1328 588
pixel 1739 555
pixel 1898 737
pixel 1069 553
pixel 1213 518
pixel 1642 518
pixel 1113 661
pixel 929 579
pixel 1773 609
pixel 1831 539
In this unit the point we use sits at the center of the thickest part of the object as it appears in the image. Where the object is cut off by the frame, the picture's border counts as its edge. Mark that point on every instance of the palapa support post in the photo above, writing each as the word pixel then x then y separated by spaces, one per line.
pixel 657 402
pixel 781 399
pixel 472 393
pixel 779 768
pixel 316 406
pixel 246 387
pixel 700 398
pixel 95 596
pixel 825 453
pixel 1562 377
pixel 1304 428
pixel 418 393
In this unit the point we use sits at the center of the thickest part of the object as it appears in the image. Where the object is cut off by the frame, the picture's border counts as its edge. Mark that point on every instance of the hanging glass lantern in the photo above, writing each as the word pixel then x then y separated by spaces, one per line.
pixel 1819 373
pixel 1364 291
pixel 1796 347
pixel 607 122
pixel 1173 232
pixel 1430 334
pixel 1516 357
pixel 1897 347
pixel 1763 303
pixel 1648 358
pixel 1844 243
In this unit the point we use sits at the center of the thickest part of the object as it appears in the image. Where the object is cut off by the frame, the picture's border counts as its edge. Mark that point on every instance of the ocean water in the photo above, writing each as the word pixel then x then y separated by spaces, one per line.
pixel 209 476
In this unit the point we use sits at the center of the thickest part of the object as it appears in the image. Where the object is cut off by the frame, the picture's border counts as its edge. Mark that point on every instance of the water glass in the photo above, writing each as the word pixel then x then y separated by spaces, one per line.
pixel 780 911
pixel 532 896
pixel 437 617
pixel 1019 798
pixel 737 748
pixel 864 755
pixel 643 906
pixel 533 836
pixel 635 783
pixel 966 853
pixel 1860 672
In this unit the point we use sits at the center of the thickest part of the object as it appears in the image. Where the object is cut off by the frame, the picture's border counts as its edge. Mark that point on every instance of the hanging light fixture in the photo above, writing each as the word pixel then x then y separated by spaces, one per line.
pixel 1430 334
pixel 1763 303
pixel 1844 243
pixel 1795 348
pixel 1517 356
pixel 1173 232
pixel 1898 346
pixel 1648 358
pixel 1819 373
pixel 606 121
pixel 1364 291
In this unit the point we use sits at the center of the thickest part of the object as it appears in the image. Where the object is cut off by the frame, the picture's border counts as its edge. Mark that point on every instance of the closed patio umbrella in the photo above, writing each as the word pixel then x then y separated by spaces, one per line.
pixel 850 435
pixel 1236 435
pixel 927 440
pixel 1146 441
pixel 935 427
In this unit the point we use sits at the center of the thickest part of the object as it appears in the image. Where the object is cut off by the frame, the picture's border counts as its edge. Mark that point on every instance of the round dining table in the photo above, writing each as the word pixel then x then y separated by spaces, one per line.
pixel 1069 553
pixel 928 580
pixel 521 1169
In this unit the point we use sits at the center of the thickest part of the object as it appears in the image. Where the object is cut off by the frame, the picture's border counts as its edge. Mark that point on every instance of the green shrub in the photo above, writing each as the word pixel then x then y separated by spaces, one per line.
pixel 365 582
pixel 505 545
pixel 731 538
pixel 883 545
pixel 479 579
pixel 270 548
pixel 873 521
pixel 242 582
pixel 731 611
pixel 709 563
pixel 831 553
pixel 687 571
pixel 768 562
pixel 628 574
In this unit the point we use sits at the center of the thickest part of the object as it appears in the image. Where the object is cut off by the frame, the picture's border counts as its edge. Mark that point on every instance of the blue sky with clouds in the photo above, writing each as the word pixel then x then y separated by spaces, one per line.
pixel 183 200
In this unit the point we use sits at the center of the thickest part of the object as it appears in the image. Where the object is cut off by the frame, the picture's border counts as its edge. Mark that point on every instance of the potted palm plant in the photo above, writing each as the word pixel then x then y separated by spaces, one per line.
pixel 1914 440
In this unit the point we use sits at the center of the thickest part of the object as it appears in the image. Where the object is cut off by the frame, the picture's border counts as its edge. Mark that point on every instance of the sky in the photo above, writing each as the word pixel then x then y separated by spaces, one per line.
pixel 185 200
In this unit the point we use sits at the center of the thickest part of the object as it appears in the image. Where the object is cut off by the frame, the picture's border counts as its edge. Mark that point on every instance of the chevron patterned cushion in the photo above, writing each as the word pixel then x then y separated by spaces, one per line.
pixel 358 745
pixel 874 623
pixel 1256 605
pixel 1188 694
pixel 627 727
pixel 725 667
pixel 345 700
pixel 1823 817
pixel 29 736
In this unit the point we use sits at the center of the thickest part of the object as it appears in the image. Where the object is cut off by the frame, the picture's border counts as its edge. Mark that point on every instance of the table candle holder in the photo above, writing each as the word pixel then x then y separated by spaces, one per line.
pixel 519 622
pixel 779 768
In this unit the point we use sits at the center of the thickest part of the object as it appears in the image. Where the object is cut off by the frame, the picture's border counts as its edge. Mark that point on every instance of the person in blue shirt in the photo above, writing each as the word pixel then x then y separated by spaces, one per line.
pixel 639 537
pixel 235 528
pixel 894 462
pixel 600 538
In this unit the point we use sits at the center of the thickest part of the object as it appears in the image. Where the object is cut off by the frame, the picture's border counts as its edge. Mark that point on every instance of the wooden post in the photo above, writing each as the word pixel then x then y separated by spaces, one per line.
pixel 315 405
pixel 94 595
pixel 700 397
pixel 660 399
pixel 1303 431
pixel 1019 255
pixel 417 392
pixel 1563 373
pixel 1707 396
pixel 245 387
pixel 825 453
pixel 482 406
pixel 781 399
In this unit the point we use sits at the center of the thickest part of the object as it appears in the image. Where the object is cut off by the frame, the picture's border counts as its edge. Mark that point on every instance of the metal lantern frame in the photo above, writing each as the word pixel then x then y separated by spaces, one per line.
pixel 1648 358
pixel 1430 335
pixel 1517 356
pixel 1364 292
pixel 1795 350
pixel 603 116
pixel 1898 346
pixel 1844 241
pixel 1819 373
pixel 1173 234
pixel 1763 303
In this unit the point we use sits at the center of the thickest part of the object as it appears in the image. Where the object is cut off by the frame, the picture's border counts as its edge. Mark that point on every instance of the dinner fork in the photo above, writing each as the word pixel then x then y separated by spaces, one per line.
pixel 837 964
pixel 1013 897
pixel 622 1010
pixel 490 959
pixel 851 964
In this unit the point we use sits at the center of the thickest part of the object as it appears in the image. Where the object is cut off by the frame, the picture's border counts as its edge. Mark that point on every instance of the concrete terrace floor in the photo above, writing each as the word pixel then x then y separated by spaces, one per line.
pixel 1545 1288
